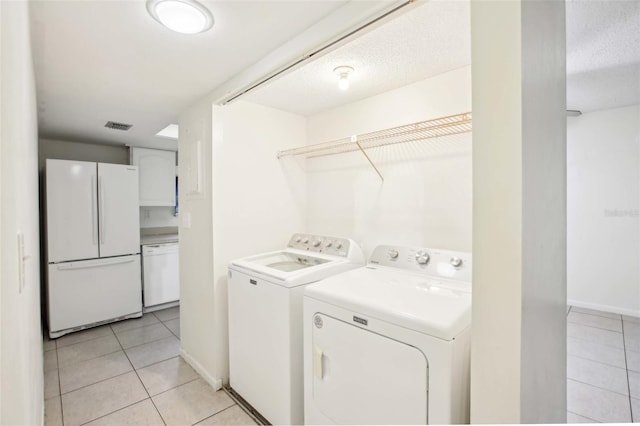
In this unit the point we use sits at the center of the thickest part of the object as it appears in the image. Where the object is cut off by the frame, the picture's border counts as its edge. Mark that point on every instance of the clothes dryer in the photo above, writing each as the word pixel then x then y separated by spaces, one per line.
pixel 389 343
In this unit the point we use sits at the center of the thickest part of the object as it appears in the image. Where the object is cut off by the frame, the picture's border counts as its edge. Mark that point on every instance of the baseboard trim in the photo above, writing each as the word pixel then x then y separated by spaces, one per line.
pixel 214 382
pixel 605 308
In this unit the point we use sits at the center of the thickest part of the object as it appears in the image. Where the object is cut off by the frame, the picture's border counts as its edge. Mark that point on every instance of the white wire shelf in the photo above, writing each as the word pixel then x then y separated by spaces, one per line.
pixel 423 130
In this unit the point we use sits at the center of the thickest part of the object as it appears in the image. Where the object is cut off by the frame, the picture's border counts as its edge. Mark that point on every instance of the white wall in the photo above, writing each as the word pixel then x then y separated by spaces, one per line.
pixel 250 203
pixel 81 151
pixel 518 348
pixel 603 193
pixel 197 321
pixel 258 201
pixel 158 217
pixel 425 199
pixel 21 367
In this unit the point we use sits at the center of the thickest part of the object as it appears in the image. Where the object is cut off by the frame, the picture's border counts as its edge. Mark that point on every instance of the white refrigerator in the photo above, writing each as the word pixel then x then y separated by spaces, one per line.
pixel 93 244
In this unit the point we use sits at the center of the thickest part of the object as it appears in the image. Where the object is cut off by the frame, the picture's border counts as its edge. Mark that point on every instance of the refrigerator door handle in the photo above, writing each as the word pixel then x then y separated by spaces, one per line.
pixel 85 264
pixel 94 215
pixel 101 209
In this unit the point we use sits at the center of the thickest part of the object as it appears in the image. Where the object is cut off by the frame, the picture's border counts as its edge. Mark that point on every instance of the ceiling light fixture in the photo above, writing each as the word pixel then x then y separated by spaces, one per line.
pixel 343 76
pixel 182 16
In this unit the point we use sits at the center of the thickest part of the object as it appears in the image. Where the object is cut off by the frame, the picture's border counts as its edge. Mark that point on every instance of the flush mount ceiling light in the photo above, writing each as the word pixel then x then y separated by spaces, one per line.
pixel 182 16
pixel 343 76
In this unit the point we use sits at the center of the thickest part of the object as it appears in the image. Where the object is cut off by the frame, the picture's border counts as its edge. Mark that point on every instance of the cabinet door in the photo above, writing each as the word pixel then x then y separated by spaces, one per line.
pixel 157 176
pixel 119 216
pixel 72 209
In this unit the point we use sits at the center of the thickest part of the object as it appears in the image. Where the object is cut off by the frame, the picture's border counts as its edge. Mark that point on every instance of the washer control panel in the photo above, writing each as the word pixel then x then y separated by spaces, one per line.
pixel 434 262
pixel 320 244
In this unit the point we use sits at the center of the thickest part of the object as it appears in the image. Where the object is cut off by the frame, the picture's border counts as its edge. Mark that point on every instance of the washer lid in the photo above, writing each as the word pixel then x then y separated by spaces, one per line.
pixel 291 267
pixel 439 308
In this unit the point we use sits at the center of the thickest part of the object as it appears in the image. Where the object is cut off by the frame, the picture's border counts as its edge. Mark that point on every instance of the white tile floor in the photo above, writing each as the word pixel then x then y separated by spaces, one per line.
pixel 603 367
pixel 130 373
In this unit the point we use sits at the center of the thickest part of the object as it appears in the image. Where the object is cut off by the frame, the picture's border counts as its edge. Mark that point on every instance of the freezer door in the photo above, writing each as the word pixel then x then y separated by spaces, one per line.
pixel 89 291
pixel 71 210
pixel 118 208
pixel 360 377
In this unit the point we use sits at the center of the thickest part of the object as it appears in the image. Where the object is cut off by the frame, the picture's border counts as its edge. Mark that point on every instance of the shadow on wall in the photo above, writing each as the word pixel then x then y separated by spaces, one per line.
pixel 221 315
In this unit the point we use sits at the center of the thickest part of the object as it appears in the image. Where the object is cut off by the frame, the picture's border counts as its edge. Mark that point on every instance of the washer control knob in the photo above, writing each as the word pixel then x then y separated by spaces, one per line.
pixel 422 257
pixel 329 244
pixel 298 239
pixel 339 245
pixel 316 243
pixel 306 241
pixel 393 254
pixel 456 262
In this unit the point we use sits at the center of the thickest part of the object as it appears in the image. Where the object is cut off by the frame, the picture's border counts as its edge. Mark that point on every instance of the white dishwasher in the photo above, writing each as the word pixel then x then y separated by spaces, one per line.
pixel 161 282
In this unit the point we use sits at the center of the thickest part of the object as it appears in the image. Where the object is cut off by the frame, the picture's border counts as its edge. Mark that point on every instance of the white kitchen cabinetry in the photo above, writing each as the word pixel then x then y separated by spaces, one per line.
pixel 157 169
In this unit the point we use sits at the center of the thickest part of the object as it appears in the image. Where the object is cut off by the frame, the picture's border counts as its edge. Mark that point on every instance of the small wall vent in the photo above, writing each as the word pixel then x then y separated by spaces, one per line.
pixel 118 126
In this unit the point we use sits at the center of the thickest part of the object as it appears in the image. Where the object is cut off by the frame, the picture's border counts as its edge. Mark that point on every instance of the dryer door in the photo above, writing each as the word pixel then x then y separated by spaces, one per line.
pixel 360 377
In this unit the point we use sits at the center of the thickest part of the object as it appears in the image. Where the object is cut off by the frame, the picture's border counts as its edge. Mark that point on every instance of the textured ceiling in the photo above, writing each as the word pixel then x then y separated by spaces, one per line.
pixel 603 54
pixel 428 40
pixel 603 57
pixel 109 60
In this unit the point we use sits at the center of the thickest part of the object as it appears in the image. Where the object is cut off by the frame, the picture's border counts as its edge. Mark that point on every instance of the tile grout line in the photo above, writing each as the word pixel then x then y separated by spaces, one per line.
pixel 597 387
pixel 141 382
pixel 596 361
pixel 576 414
pixel 595 326
pixel 59 385
pixel 214 414
pixel 113 333
pixel 180 385
pixel 150 341
pixel 88 340
pixel 595 315
pixel 70 364
pixel 624 345
pixel 99 381
pixel 119 409
pixel 596 342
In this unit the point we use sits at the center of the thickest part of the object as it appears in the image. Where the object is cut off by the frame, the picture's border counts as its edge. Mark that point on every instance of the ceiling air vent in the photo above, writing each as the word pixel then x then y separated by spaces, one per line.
pixel 118 126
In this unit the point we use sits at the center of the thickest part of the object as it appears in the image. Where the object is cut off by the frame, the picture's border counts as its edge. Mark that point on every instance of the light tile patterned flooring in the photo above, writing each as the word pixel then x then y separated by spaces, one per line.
pixel 603 367
pixel 130 372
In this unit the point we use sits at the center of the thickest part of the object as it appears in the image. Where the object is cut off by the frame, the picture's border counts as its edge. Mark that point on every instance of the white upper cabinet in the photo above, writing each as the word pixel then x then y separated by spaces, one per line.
pixel 157 171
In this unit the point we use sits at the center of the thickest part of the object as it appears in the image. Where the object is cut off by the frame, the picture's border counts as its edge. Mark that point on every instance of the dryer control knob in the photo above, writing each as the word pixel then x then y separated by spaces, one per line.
pixel 456 262
pixel 339 246
pixel 306 241
pixel 422 257
pixel 298 239
pixel 329 244
pixel 393 254
pixel 316 243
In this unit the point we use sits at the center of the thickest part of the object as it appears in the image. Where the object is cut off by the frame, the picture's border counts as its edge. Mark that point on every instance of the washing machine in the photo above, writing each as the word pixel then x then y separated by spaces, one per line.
pixel 388 343
pixel 265 320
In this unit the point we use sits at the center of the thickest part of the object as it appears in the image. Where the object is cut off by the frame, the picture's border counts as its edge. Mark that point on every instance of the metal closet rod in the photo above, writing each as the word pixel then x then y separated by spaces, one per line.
pixel 422 130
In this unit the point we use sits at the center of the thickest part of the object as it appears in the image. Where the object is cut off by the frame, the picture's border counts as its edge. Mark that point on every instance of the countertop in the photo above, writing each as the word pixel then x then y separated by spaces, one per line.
pixel 158 235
